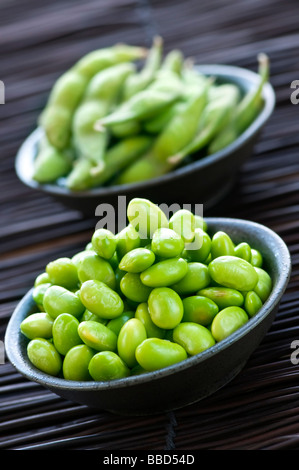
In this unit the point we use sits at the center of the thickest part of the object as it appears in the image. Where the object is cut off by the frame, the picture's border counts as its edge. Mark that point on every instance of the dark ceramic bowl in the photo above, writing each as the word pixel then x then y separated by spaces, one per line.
pixel 207 179
pixel 184 383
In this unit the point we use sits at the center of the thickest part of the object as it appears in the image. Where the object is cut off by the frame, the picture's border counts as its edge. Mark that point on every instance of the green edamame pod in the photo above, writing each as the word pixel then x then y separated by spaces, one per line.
pixel 139 81
pixel 51 164
pixel 193 337
pixel 118 157
pixel 107 365
pixel 155 353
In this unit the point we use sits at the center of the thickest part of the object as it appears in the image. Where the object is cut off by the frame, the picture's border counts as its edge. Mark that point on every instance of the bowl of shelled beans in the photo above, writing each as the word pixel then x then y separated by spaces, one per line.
pixel 129 120
pixel 156 317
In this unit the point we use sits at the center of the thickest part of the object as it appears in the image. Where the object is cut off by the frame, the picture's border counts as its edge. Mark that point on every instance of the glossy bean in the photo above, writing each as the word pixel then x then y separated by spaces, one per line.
pixel 165 307
pixel 183 223
pixel 116 323
pixel 107 365
pixel 252 303
pixel 104 243
pixel 130 336
pixel 87 315
pixel 155 353
pixel 42 278
pixel 197 278
pixel 193 337
pixel 127 239
pixel 65 333
pixel 97 336
pixel 76 362
pixel 59 300
pixel 152 330
pixel 199 309
pixel 136 261
pixel 146 217
pixel 93 267
pixel 222 245
pixel 223 296
pixel 227 321
pixel 243 250
pixel 167 243
pixel 132 287
pixel 98 298
pixel 199 249
pixel 39 292
pixel 165 273
pixel 256 258
pixel 233 272
pixel 37 325
pixel 264 285
pixel 63 272
pixel 43 355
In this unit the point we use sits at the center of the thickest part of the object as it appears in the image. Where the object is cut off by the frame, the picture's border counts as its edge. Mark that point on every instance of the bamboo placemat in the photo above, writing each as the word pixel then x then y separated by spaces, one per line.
pixel 38 41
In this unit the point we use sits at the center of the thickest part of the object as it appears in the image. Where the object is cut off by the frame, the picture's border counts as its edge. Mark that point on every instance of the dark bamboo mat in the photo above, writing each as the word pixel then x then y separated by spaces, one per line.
pixel 259 409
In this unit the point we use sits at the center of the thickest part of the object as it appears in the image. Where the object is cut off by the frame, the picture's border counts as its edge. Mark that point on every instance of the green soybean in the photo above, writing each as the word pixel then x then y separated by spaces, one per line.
pixel 264 285
pixel 65 333
pixel 223 296
pixel 194 338
pixel 97 336
pixel 100 299
pixel 133 288
pixel 243 250
pixel 93 267
pixel 152 330
pixel 63 272
pixel 127 239
pixel 44 356
pixel 155 353
pixel 222 245
pixel 116 323
pixel 252 303
pixel 233 272
pixel 76 362
pixel 165 307
pixel 197 278
pixel 130 336
pixel 165 273
pixel 183 223
pixel 199 309
pixel 59 300
pixel 39 292
pixel 227 321
pixel 256 258
pixel 104 243
pixel 200 248
pixel 146 217
pixel 137 260
pixel 106 366
pixel 167 243
pixel 37 325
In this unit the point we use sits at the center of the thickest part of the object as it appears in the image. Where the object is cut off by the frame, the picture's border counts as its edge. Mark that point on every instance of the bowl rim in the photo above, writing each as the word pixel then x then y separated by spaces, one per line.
pixel 25 153
pixel 21 363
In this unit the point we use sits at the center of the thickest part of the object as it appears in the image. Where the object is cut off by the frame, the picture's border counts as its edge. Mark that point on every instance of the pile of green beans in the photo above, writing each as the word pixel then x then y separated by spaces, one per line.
pixel 161 290
pixel 109 122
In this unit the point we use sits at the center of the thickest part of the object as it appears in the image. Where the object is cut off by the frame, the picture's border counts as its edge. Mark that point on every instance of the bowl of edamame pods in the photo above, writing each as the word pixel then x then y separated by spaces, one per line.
pixel 125 120
pixel 153 318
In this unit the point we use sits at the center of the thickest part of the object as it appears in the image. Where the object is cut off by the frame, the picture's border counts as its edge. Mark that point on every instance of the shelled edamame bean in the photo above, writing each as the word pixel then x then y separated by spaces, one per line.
pixel 143 299
pixel 109 122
